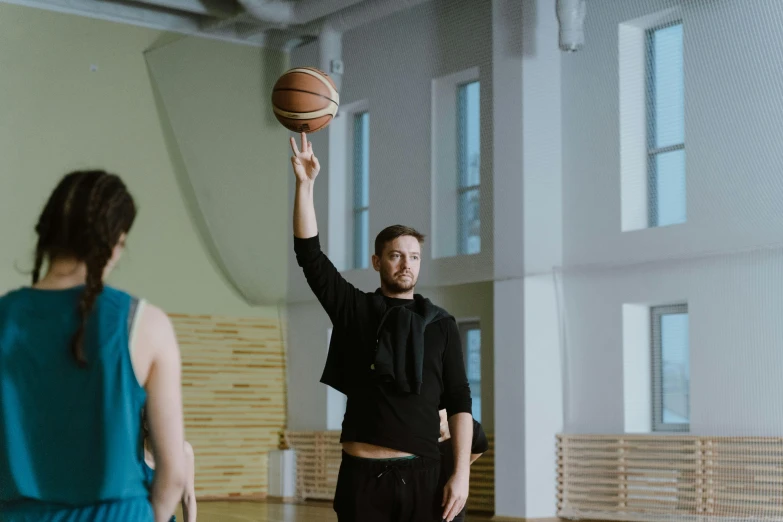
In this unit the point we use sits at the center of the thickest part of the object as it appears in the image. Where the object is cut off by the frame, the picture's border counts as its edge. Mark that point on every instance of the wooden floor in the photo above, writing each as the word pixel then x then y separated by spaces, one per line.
pixel 255 511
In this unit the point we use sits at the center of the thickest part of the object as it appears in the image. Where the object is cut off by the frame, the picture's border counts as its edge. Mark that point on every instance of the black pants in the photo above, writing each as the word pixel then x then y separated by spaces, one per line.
pixel 388 491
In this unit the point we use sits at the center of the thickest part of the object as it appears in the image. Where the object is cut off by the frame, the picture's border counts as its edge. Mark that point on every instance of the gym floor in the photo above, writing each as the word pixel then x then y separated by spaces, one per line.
pixel 259 511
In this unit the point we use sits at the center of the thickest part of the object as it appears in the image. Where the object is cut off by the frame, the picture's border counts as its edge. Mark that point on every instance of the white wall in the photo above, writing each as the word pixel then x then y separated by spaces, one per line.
pixel 733 58
pixel 734 306
pixel 307 328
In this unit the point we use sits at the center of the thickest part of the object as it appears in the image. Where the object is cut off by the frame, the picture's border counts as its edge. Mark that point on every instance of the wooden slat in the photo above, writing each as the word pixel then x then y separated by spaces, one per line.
pixel 318 455
pixel 650 478
pixel 233 382
pixel 481 496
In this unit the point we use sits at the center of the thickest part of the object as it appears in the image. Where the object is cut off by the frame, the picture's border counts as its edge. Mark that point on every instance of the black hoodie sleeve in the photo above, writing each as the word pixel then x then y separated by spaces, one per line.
pixel 339 298
pixel 456 390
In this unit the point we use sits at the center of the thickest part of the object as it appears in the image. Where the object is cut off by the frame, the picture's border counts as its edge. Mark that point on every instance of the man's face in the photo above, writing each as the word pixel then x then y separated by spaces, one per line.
pixel 399 264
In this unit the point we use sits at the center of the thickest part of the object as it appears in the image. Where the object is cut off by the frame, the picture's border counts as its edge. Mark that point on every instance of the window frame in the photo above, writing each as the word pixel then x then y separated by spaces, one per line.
pixel 656 344
pixel 650 107
pixel 359 259
pixel 463 190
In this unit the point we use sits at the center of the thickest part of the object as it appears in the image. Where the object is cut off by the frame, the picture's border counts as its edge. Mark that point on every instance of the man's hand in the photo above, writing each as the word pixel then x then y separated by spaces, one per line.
pixel 306 166
pixel 455 494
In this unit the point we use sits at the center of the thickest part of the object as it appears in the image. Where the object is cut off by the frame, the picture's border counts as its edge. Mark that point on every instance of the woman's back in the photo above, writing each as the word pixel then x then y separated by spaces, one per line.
pixel 69 435
pixel 70 374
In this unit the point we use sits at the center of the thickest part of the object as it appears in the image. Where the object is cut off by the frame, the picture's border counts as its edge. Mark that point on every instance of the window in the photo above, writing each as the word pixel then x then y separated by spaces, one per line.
pixel 456 164
pixel 349 187
pixel 469 165
pixel 470 332
pixel 671 368
pixel 665 126
pixel 361 190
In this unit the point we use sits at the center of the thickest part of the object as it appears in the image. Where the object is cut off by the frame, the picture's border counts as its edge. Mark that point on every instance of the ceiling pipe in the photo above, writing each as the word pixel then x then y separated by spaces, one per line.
pixel 331 28
pixel 345 20
pixel 364 13
pixel 216 8
pixel 328 31
pixel 571 17
pixel 288 12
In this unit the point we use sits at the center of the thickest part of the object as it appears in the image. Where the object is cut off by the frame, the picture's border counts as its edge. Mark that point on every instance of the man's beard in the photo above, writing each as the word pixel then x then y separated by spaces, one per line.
pixel 396 286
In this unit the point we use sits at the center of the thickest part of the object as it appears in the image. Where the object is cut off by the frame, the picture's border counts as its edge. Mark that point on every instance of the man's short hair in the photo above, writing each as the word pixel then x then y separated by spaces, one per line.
pixel 389 234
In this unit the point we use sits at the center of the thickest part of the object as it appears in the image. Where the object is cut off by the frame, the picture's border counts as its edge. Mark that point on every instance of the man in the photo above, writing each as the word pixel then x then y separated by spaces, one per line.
pixel 478 447
pixel 394 355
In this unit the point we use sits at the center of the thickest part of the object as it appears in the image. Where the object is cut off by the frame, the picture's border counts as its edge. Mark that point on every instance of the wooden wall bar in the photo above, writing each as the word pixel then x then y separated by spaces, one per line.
pixel 653 477
pixel 233 378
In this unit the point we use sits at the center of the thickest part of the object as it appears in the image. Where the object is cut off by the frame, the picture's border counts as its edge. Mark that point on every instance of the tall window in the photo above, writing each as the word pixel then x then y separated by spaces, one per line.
pixel 671 368
pixel 469 166
pixel 470 332
pixel 666 126
pixel 361 189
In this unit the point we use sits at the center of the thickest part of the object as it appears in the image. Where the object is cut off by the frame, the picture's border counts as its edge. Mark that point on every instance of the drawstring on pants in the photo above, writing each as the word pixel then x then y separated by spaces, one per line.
pixel 394 469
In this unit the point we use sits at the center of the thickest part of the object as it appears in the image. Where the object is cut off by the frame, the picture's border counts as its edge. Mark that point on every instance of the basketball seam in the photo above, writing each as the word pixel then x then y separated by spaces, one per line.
pixel 292 115
pixel 318 75
pixel 280 89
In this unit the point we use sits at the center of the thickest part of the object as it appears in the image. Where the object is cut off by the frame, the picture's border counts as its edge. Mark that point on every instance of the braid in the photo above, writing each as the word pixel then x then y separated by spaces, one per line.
pixel 39 255
pixel 83 220
pixel 93 288
pixel 98 256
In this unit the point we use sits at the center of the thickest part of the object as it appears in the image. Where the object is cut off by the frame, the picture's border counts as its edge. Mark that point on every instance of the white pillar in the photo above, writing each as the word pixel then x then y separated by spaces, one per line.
pixel 509 331
pixel 528 246
pixel 543 246
pixel 330 51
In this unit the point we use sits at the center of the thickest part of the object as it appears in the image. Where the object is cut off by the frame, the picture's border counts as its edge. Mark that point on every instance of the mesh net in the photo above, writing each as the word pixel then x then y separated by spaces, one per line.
pixel 666 274
pixel 669 322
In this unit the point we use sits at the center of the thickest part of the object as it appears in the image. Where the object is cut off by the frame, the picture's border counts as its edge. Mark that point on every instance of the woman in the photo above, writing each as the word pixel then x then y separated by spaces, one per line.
pixel 73 381
pixel 148 464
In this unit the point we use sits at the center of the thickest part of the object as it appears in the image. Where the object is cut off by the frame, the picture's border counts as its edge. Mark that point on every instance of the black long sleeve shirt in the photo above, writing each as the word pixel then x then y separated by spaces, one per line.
pixel 377 412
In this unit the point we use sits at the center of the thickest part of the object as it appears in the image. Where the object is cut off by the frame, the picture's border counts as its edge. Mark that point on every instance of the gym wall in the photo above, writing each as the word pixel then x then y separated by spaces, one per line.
pixel 77 93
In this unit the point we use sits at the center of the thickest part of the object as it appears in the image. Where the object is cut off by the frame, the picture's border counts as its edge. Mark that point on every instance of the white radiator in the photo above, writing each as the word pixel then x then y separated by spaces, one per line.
pixel 282 474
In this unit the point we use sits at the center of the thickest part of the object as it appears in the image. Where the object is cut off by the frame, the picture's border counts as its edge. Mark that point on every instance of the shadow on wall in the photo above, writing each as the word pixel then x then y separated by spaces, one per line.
pixel 271 68
pixel 183 181
pixel 228 152
pixel 526 42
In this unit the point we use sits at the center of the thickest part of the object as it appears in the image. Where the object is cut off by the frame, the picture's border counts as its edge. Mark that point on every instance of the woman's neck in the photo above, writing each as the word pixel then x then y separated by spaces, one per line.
pixel 63 273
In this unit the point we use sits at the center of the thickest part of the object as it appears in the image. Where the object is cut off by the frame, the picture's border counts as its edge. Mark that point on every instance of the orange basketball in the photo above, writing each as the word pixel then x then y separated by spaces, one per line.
pixel 305 99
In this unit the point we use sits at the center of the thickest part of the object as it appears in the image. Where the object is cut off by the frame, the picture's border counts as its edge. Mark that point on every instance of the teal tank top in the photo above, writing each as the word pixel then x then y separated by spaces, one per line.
pixel 70 437
pixel 149 476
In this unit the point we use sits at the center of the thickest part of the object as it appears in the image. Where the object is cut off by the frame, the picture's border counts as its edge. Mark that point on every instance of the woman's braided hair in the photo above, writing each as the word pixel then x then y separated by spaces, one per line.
pixel 84 219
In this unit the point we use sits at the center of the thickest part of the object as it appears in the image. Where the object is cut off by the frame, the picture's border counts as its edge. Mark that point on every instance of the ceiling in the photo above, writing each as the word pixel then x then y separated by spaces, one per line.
pixel 268 23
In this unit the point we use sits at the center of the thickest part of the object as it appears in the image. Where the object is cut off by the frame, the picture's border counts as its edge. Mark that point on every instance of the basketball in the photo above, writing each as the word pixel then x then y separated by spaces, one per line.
pixel 305 99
